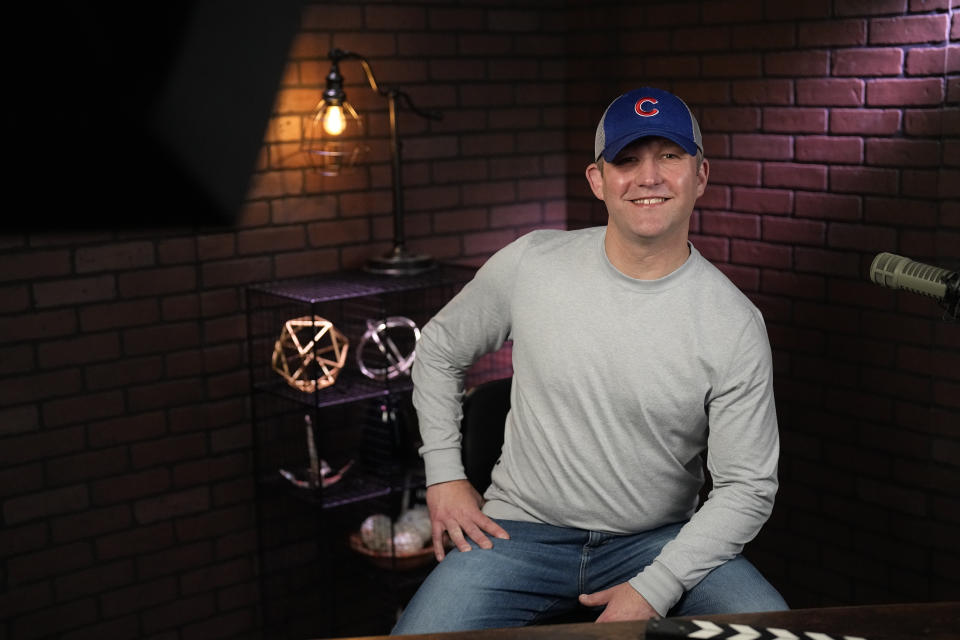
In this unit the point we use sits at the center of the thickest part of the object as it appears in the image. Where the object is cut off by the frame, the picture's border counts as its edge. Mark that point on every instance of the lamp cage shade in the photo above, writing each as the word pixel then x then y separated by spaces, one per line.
pixel 333 137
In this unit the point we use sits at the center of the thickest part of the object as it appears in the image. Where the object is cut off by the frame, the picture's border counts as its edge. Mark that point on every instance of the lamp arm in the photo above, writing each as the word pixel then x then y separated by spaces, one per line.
pixel 336 55
pixel 423 113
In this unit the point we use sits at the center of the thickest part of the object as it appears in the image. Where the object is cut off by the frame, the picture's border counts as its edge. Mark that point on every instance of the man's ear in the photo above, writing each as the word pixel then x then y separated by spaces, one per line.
pixel 702 176
pixel 595 178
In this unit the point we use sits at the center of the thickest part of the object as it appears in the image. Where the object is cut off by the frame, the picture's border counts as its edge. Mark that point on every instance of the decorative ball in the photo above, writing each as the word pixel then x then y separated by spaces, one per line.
pixel 406 540
pixel 375 532
pixel 419 519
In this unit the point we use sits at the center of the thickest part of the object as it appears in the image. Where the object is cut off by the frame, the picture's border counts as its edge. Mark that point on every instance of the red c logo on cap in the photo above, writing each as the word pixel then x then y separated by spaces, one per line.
pixel 641 111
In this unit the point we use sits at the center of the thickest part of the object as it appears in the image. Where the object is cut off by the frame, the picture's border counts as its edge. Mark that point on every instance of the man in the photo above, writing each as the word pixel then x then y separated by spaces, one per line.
pixel 632 355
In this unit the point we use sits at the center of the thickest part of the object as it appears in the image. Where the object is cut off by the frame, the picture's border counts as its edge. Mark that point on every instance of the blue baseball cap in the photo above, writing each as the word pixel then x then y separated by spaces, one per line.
pixel 646 112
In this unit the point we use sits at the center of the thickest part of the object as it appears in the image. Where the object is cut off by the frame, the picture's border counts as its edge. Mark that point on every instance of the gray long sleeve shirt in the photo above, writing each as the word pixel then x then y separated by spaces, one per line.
pixel 619 386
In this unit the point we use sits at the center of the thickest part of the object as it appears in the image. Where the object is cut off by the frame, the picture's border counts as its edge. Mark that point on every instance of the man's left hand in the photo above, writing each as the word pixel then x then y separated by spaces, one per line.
pixel 621 602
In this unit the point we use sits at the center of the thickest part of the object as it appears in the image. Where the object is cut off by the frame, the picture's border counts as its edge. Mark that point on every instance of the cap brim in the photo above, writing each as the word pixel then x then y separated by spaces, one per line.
pixel 612 149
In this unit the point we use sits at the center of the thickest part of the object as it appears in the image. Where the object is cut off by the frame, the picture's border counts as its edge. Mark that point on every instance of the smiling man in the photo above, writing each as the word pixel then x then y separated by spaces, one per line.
pixel 633 358
pixel 649 184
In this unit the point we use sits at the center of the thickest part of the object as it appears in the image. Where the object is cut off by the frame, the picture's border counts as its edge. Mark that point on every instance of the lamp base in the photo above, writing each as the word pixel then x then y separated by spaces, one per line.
pixel 399 262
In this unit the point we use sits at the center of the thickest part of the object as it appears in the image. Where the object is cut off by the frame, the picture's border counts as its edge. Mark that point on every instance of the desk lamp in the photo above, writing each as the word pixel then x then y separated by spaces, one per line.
pixel 333 120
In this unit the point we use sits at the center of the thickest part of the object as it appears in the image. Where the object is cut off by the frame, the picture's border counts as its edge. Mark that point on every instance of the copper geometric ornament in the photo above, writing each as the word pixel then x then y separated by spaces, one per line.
pixel 309 353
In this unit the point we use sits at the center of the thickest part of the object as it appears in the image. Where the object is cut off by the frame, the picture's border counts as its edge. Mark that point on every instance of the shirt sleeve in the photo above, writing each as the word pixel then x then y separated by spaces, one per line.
pixel 743 449
pixel 475 322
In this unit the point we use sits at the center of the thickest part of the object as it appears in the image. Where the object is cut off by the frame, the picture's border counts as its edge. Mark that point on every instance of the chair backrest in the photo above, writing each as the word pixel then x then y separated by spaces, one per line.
pixel 485 410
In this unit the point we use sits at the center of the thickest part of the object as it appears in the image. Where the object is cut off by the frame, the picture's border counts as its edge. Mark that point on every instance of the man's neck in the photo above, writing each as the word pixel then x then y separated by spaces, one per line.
pixel 646 262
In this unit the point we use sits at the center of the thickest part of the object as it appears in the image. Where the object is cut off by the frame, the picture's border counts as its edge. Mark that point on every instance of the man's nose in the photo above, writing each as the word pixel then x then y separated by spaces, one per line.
pixel 647 172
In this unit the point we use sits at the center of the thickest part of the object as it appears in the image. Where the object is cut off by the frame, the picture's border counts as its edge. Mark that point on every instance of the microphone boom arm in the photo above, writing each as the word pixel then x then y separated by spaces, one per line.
pixel 951 300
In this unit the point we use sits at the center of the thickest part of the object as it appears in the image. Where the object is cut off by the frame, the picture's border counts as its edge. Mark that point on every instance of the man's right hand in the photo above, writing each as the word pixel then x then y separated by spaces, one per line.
pixel 455 509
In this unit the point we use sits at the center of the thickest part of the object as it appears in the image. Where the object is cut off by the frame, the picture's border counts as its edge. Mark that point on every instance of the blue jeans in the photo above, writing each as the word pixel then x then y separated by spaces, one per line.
pixel 538 573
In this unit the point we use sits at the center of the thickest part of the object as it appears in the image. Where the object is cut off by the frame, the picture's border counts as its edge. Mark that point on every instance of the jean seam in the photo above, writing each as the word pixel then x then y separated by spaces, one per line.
pixel 540 613
pixel 584 560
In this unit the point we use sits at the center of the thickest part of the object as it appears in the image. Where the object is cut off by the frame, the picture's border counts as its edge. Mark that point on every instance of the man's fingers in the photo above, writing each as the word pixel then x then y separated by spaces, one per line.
pixel 455 508
pixel 437 531
pixel 477 536
pixel 456 536
pixel 438 551
pixel 493 528
pixel 476 527
pixel 597 599
pixel 452 529
pixel 462 527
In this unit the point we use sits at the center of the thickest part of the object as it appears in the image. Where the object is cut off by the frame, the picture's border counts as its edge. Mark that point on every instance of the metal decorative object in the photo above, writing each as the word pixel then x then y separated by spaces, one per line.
pixel 393 342
pixel 309 353
pixel 327 476
pixel 318 473
pixel 313 472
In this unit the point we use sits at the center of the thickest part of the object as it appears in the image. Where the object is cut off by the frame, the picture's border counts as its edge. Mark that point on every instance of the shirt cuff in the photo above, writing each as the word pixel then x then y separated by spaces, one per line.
pixel 443 465
pixel 658 586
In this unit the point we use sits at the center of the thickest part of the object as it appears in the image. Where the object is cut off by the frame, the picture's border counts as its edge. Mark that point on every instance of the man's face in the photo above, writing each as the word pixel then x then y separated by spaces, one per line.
pixel 650 188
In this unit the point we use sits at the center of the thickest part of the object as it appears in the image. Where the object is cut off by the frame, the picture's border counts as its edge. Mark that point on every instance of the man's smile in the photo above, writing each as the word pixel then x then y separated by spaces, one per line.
pixel 648 201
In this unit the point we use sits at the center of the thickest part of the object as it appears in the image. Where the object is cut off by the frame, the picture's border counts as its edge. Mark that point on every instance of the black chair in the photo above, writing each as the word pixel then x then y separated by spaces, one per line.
pixel 485 410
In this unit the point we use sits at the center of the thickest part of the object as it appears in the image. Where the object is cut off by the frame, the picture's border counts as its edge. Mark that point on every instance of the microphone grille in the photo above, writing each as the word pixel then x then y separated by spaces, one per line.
pixel 897 272
pixel 883 269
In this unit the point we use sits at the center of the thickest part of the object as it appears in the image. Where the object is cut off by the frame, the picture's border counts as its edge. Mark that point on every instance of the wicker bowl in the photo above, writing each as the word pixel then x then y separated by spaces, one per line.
pixel 389 560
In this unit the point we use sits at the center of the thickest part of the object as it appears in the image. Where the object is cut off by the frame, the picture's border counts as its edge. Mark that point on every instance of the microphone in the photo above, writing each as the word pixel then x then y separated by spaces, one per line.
pixel 896 272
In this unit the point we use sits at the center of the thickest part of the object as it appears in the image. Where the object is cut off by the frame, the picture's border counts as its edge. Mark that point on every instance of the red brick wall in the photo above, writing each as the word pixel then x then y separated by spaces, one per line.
pixel 832 131
pixel 493 168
